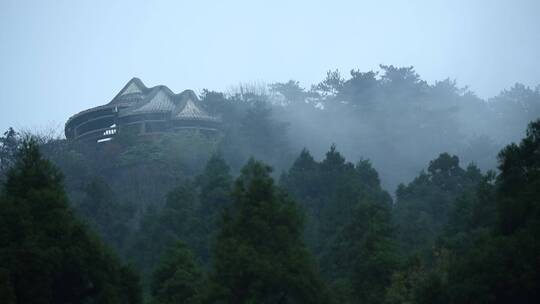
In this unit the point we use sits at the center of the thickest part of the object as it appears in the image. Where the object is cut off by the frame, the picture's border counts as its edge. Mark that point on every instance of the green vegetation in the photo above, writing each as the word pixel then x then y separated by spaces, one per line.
pixel 177 279
pixel 259 256
pixel 46 254
pixel 198 218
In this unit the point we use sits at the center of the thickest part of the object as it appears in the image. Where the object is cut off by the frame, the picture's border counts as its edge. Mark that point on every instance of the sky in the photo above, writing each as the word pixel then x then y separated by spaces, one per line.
pixel 60 57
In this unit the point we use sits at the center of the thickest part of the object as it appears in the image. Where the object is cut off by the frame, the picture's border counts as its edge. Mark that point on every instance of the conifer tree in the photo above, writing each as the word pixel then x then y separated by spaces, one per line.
pixel 363 255
pixel 46 254
pixel 214 187
pixel 259 256
pixel 177 279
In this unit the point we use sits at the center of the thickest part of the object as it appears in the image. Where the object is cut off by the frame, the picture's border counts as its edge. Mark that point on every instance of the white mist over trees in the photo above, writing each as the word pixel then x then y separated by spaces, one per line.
pixel 399 121
pixel 330 228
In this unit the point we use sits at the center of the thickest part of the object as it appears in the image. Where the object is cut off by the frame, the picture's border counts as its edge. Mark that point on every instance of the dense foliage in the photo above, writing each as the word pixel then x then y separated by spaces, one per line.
pixel 46 254
pixel 177 279
pixel 399 121
pixel 423 206
pixel 202 221
pixel 259 256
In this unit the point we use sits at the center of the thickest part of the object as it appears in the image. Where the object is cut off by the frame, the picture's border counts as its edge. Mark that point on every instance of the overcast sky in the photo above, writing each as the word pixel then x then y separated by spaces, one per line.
pixel 60 57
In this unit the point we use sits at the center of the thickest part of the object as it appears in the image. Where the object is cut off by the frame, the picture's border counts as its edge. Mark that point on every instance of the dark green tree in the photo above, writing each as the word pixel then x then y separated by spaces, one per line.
pixel 177 278
pixel 259 256
pixel 364 255
pixel 46 254
pixel 328 191
pixel 190 214
pixel 340 194
pixel 101 210
pixel 160 229
pixel 423 205
pixel 491 235
pixel 302 183
pixel 519 183
pixel 505 264
pixel 215 184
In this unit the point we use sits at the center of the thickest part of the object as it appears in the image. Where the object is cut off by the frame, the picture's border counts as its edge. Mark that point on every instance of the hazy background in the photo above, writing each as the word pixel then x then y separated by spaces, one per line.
pixel 60 57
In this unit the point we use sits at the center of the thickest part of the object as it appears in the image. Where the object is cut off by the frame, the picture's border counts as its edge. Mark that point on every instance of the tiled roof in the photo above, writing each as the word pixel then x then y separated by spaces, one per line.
pixel 135 99
pixel 134 87
pixel 158 101
pixel 131 88
pixel 192 112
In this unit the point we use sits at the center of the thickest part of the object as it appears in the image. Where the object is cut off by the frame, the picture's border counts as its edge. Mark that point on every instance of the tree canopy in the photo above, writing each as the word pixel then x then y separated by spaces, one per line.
pixel 46 254
pixel 259 256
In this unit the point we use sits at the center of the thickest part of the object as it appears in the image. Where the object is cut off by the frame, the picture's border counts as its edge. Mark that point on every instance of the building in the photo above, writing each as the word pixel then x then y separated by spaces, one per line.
pixel 142 110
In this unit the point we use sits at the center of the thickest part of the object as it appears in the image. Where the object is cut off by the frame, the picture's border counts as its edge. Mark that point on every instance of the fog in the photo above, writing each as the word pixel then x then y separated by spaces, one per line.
pixel 60 57
pixel 377 152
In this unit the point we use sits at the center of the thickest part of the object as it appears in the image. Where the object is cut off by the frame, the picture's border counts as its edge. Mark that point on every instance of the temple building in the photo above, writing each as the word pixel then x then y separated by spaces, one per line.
pixel 144 111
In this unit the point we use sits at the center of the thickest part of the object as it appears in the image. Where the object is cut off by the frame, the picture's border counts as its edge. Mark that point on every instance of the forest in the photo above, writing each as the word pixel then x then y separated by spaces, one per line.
pixel 367 187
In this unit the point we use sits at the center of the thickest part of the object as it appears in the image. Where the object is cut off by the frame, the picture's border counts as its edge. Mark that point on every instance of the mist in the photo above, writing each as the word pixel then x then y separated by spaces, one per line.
pixel 284 152
pixel 62 57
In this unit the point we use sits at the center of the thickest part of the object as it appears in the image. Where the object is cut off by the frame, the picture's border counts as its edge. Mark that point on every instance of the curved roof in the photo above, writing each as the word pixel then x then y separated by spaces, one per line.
pixel 137 99
pixel 134 87
pixel 157 101
pixel 192 112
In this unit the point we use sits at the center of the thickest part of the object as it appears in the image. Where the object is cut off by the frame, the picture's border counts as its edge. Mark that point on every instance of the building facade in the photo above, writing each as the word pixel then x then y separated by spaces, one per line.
pixel 143 111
